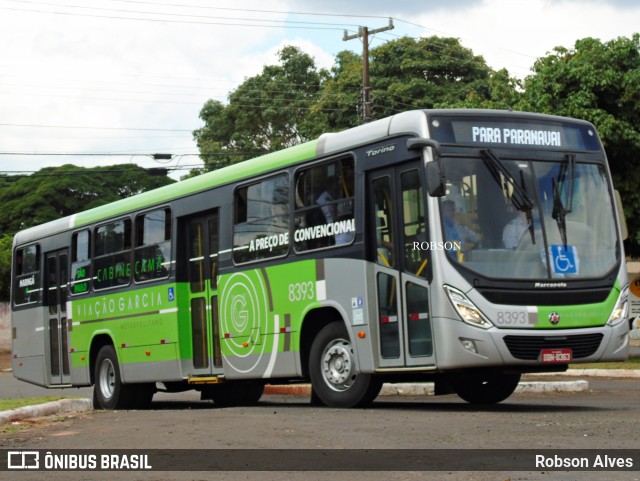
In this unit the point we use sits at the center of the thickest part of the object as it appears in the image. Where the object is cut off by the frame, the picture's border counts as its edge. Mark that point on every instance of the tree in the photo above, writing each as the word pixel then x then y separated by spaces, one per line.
pixel 501 92
pixel 599 82
pixel 267 112
pixel 5 266
pixel 56 192
pixel 339 98
pixel 425 73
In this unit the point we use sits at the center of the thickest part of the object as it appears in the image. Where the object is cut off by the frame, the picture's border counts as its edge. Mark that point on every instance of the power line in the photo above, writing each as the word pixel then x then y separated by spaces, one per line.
pixel 250 10
pixel 93 128
pixel 173 14
pixel 364 33
pixel 314 25
pixel 159 20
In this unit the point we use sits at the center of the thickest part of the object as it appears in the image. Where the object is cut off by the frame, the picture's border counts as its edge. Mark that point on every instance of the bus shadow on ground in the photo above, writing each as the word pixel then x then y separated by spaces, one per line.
pixel 389 405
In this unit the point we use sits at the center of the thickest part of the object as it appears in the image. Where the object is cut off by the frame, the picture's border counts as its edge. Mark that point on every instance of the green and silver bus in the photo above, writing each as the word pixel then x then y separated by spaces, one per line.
pixel 460 247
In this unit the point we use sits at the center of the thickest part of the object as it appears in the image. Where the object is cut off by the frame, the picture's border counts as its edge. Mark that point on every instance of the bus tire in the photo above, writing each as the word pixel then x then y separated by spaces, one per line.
pixel 489 386
pixel 109 392
pixel 333 372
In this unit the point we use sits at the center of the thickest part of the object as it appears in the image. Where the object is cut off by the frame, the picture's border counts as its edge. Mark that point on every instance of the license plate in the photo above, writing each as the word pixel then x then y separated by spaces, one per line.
pixel 555 356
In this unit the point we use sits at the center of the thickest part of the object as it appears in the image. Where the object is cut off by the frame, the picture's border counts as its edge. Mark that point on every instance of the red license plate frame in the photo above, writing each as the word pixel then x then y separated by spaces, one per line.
pixel 556 356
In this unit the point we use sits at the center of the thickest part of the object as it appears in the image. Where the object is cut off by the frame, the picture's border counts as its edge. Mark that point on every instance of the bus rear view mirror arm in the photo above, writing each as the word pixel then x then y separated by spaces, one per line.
pixel 435 173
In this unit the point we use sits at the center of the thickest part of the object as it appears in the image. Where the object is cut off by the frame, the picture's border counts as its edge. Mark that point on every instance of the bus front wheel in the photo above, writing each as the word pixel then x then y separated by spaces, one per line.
pixel 332 368
pixel 485 386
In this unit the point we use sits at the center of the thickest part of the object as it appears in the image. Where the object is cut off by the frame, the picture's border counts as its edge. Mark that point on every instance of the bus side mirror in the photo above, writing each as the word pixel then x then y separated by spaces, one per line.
pixel 436 185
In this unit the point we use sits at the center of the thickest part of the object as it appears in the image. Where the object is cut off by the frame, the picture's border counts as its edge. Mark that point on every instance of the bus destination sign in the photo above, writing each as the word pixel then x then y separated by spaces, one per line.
pixel 510 136
pixel 514 133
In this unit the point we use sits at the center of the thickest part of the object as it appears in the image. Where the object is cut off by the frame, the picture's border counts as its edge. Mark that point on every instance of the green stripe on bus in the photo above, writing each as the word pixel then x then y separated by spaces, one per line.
pixel 580 316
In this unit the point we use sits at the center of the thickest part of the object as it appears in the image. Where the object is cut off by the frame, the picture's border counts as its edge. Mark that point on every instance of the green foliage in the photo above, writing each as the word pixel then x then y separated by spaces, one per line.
pixel 56 192
pixel 5 266
pixel 265 113
pixel 425 73
pixel 340 94
pixel 293 102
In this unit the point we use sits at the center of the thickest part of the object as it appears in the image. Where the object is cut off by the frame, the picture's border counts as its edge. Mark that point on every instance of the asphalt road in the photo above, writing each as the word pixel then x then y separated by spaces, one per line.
pixel 605 417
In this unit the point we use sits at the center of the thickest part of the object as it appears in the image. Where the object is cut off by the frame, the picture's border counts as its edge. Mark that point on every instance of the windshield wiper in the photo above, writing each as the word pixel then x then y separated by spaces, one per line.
pixel 519 196
pixel 560 212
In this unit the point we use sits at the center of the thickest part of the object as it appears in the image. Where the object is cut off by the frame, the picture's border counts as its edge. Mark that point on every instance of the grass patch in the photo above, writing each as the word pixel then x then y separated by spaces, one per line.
pixel 631 363
pixel 6 404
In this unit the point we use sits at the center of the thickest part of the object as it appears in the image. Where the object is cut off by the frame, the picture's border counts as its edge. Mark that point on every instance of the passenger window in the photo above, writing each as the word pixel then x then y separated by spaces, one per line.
pixel 112 263
pixel 261 220
pixel 383 211
pixel 26 288
pixel 81 262
pixel 324 206
pixel 152 255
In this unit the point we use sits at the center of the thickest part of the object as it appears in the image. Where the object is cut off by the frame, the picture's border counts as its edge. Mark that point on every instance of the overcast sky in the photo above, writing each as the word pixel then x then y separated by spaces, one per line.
pixel 129 78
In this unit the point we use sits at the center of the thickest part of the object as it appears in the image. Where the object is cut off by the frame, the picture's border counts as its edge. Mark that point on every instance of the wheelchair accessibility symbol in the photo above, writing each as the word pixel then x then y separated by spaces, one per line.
pixel 565 260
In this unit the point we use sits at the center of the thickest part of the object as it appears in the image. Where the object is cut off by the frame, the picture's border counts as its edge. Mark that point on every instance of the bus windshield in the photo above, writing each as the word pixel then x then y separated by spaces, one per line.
pixel 529 219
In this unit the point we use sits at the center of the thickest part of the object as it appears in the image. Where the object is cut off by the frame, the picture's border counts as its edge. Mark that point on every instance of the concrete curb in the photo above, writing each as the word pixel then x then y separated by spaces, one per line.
pixel 46 409
pixel 427 388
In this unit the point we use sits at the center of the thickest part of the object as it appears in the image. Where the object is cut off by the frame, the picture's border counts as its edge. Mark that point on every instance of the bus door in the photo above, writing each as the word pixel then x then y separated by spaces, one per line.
pixel 202 261
pixel 56 330
pixel 398 234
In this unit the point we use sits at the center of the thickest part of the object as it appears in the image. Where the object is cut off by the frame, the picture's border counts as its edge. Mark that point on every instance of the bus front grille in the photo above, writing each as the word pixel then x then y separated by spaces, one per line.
pixel 528 347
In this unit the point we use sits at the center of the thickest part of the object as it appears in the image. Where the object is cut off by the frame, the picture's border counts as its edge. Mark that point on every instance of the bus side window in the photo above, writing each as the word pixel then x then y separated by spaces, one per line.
pixel 152 254
pixel 384 222
pixel 261 220
pixel 324 205
pixel 112 262
pixel 26 287
pixel 81 262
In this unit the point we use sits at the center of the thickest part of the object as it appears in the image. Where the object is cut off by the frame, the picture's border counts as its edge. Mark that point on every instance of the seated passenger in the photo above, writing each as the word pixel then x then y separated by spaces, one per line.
pixel 514 230
pixel 453 230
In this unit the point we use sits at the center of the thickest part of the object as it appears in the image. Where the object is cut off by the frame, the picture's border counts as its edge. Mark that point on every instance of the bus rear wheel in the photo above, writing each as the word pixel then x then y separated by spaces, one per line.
pixel 489 386
pixel 334 376
pixel 109 392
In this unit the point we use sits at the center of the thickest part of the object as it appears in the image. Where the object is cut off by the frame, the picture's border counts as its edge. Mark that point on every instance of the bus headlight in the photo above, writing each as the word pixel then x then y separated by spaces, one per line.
pixel 620 312
pixel 467 309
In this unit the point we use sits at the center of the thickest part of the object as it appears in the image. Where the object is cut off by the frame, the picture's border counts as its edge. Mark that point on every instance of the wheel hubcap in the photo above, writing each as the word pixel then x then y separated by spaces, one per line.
pixel 337 365
pixel 107 379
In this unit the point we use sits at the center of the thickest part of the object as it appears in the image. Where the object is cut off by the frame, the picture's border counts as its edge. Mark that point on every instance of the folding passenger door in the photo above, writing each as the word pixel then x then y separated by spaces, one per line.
pixel 398 235
pixel 202 261
pixel 56 330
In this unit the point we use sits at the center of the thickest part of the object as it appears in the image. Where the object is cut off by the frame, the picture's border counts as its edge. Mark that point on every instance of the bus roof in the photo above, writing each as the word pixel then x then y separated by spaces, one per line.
pixel 325 144
pixel 412 123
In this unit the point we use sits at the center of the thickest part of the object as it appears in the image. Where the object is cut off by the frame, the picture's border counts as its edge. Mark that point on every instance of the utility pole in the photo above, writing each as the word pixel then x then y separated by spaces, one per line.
pixel 364 32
